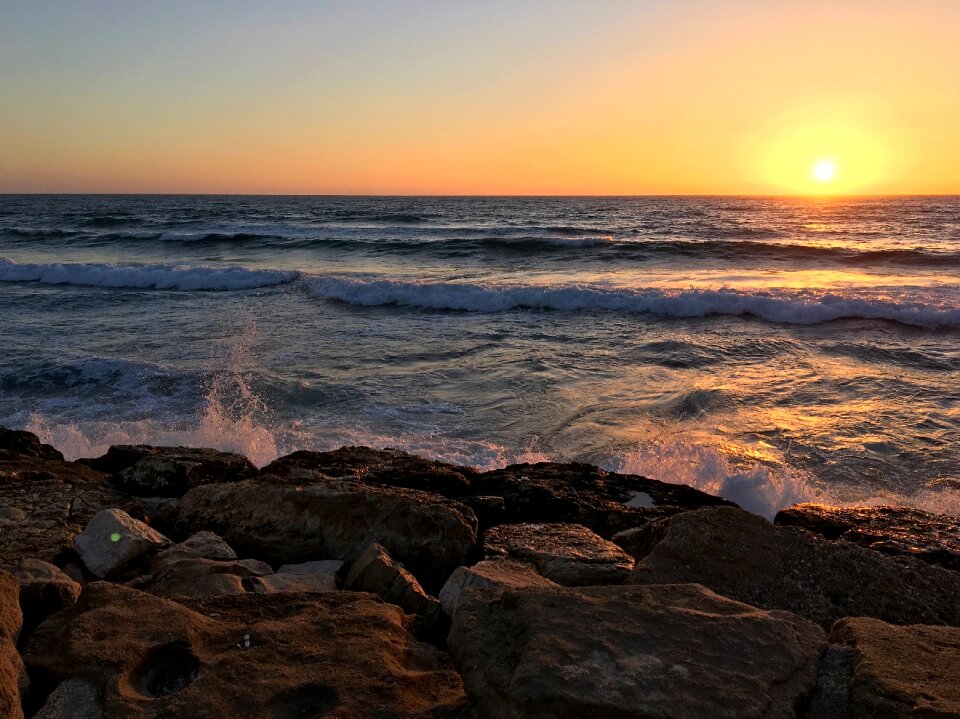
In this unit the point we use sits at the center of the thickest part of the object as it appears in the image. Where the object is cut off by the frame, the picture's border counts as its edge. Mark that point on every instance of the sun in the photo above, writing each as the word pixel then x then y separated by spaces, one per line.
pixel 824 170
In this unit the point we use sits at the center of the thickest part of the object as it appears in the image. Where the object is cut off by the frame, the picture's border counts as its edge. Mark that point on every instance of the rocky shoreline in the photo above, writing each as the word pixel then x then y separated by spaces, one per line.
pixel 163 582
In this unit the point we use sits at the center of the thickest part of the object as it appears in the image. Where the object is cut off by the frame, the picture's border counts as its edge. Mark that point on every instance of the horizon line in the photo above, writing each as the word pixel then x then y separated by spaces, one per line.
pixel 483 195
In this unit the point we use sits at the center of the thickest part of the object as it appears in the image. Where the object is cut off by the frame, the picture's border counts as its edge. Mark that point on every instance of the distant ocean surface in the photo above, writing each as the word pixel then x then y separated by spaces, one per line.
pixel 770 350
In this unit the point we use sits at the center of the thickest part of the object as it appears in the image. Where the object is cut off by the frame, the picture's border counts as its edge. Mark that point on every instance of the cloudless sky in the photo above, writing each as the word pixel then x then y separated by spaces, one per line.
pixel 470 97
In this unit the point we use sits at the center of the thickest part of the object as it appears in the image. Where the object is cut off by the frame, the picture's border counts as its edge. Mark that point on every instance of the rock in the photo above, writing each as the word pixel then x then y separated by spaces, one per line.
pixel 489 510
pixel 72 699
pixel 638 541
pixel 160 511
pixel 375 571
pixel 254 655
pixel 656 651
pixel 201 545
pixel 902 671
pixel 199 577
pixel 44 590
pixel 114 540
pixel 606 502
pixel 743 556
pixel 568 554
pixel 332 519
pixel 388 467
pixel 934 538
pixel 46 503
pixel 13 676
pixel 496 575
pixel 146 471
pixel 28 444
pixel 831 697
pixel 306 577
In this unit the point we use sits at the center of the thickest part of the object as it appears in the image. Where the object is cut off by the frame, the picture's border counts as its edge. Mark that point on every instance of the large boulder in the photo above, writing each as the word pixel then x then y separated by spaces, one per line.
pixel 389 467
pixel 323 518
pixel 375 571
pixel 320 576
pixel 899 531
pixel 606 502
pixel 901 671
pixel 146 471
pixel 45 503
pixel 496 575
pixel 72 699
pixel 568 554
pixel 114 541
pixel 44 590
pixel 658 651
pixel 743 556
pixel 337 654
pixel 13 676
pixel 27 443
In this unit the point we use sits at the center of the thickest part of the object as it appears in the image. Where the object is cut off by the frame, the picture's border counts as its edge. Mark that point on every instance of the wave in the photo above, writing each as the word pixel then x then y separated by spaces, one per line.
pixel 164 277
pixel 774 305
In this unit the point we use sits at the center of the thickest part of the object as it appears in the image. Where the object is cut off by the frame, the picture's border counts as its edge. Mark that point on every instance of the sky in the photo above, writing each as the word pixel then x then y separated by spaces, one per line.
pixel 465 97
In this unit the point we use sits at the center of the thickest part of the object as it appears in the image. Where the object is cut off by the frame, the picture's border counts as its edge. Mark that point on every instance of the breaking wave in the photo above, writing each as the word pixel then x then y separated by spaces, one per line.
pixel 774 305
pixel 165 277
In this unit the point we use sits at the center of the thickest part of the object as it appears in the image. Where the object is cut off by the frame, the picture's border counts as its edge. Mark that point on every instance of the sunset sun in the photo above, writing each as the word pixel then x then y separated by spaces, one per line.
pixel 824 170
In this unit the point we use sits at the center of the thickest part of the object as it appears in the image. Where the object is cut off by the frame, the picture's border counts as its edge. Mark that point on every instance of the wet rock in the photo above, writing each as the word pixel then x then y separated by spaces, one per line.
pixel 45 509
pixel 114 540
pixel 606 502
pixel 568 554
pixel 933 538
pixel 375 571
pixel 73 699
pixel 146 471
pixel 743 556
pixel 388 467
pixel 13 676
pixel 44 590
pixel 657 651
pixel 26 443
pixel 326 518
pixel 254 655
pixel 902 671
pixel 494 575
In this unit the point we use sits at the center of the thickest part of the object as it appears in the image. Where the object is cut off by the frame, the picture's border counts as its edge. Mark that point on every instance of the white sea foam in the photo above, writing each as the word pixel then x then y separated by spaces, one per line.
pixel 167 277
pixel 775 305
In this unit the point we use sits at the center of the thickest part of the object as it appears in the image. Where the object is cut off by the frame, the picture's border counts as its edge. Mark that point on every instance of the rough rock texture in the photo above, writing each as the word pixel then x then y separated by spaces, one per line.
pixel 658 651
pixel 496 575
pixel 934 538
pixel 337 654
pixel 73 699
pixel 45 503
pixel 375 571
pixel 114 540
pixel 200 577
pixel 13 677
pixel 44 590
pixel 902 671
pixel 146 471
pixel 26 443
pixel 568 554
pixel 387 467
pixel 743 556
pixel 605 502
pixel 281 522
pixel 201 545
pixel 306 577
pixel 831 697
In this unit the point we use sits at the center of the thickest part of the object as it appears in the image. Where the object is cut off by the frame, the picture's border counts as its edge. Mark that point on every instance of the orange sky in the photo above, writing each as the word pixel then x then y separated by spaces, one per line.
pixel 480 98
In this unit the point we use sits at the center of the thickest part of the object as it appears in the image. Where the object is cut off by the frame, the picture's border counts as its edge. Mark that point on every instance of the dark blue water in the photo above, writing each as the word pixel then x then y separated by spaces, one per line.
pixel 768 349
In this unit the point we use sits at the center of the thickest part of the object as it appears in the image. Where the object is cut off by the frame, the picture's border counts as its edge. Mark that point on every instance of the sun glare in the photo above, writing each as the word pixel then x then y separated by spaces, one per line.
pixel 825 170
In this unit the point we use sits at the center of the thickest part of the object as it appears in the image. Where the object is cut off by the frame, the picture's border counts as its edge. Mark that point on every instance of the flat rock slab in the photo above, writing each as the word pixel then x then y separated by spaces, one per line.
pixel 323 518
pixel 900 531
pixel 568 554
pixel 491 575
pixel 606 502
pixel 743 556
pixel 388 467
pixel 114 541
pixel 147 471
pixel 375 571
pixel 658 651
pixel 338 654
pixel 902 671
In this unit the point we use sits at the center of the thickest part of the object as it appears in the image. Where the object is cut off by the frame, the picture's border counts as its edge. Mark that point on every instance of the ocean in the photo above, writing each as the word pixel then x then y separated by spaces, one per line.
pixel 771 350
